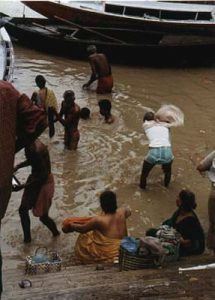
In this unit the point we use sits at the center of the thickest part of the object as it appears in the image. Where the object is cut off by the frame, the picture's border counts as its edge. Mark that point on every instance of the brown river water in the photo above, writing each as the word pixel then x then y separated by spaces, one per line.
pixel 111 156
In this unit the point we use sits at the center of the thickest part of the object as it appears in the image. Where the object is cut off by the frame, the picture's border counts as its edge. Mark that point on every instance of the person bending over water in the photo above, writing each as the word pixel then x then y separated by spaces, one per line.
pixel 101 71
pixel 100 236
pixel 160 150
pixel 157 129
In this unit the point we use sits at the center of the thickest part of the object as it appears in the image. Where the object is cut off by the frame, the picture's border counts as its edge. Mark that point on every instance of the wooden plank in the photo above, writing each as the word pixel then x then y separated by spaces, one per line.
pixel 91 30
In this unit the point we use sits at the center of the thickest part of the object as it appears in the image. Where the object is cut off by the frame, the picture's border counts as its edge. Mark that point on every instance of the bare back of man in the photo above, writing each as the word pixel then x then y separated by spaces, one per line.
pixel 101 71
pixel 100 65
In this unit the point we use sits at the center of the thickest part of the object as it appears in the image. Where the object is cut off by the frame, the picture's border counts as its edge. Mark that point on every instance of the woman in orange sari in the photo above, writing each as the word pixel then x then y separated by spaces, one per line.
pixel 100 236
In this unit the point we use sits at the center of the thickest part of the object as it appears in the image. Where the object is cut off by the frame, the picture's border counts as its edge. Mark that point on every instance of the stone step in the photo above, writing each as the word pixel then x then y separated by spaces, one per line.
pixel 85 282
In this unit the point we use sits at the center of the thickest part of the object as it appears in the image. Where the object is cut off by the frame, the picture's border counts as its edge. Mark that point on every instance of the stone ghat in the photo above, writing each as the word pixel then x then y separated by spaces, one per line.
pixel 87 283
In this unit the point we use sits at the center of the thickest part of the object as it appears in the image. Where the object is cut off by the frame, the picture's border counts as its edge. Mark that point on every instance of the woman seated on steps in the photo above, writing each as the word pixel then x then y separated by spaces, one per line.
pixel 186 222
pixel 100 236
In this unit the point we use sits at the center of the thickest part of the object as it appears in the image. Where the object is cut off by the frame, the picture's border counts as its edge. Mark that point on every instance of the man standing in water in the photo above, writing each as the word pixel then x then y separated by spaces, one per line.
pixel 21 122
pixel 101 71
pixel 39 189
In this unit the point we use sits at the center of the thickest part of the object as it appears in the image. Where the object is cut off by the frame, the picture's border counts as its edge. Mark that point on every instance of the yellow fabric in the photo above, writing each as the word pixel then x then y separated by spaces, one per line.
pixel 93 247
pixel 51 100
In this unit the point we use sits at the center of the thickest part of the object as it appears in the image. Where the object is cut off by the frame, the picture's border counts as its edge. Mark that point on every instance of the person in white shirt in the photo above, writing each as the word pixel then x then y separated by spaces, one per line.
pixel 160 150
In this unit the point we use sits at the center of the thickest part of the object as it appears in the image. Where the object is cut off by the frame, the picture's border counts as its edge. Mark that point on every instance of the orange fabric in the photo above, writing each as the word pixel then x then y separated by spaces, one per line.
pixel 77 220
pixel 105 85
pixel 94 247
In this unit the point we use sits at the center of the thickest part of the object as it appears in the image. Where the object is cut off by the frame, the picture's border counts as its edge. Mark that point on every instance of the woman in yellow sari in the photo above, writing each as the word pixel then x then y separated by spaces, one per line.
pixel 100 236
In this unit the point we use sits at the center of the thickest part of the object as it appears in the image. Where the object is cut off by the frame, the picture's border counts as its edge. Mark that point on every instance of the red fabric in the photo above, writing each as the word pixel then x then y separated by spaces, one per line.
pixel 8 111
pixel 20 123
pixel 105 85
pixel 44 199
pixel 31 121
pixel 38 198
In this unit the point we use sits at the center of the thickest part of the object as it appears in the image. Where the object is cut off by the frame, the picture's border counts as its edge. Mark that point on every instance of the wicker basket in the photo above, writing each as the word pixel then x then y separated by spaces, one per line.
pixel 129 261
pixel 52 264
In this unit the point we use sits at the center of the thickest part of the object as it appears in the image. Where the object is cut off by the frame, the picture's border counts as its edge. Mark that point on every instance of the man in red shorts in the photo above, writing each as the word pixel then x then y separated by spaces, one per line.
pixel 101 71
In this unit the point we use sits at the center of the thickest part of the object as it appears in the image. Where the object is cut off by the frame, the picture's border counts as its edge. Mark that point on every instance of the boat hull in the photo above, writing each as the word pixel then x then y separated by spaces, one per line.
pixel 150 48
pixel 6 56
pixel 87 17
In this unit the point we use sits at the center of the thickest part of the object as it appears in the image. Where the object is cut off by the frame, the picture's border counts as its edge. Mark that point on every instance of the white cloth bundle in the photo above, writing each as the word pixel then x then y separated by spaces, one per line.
pixel 170 114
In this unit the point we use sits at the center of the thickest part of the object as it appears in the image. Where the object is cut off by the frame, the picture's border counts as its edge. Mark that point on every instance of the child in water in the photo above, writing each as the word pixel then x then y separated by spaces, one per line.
pixel 69 117
pixel 105 110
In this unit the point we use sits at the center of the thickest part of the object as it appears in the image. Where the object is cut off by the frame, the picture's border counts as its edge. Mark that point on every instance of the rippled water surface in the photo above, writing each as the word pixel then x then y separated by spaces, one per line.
pixel 110 156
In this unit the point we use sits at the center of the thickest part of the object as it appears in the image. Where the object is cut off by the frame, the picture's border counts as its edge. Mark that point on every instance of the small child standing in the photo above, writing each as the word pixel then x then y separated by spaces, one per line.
pixel 69 117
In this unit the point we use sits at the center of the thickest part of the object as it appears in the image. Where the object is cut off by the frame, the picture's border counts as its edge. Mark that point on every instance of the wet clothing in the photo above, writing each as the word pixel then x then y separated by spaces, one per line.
pixel 105 85
pixel 38 197
pixel 159 155
pixel 190 229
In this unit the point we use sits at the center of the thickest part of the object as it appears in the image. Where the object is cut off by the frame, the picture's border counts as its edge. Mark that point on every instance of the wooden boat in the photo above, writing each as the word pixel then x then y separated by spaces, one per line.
pixel 168 17
pixel 6 56
pixel 120 44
